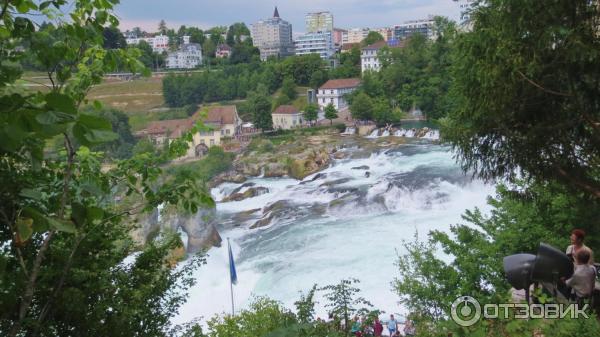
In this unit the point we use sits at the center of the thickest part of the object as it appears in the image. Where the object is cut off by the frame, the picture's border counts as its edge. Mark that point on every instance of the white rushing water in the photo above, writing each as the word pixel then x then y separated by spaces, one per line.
pixel 346 223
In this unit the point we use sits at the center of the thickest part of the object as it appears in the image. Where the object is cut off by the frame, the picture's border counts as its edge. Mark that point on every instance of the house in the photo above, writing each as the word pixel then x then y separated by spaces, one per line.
pixel 333 92
pixel 224 122
pixel 189 56
pixel 287 117
pixel 223 51
pixel 369 55
pixel 347 47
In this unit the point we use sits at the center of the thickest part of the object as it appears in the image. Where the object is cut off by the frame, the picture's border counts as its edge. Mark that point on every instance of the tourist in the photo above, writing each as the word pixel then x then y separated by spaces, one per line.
pixel 577 237
pixel 356 327
pixel 584 277
pixel 409 328
pixel 392 325
pixel 377 327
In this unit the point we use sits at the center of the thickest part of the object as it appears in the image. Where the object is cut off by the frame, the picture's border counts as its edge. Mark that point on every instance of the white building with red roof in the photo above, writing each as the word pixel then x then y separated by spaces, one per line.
pixel 287 117
pixel 333 92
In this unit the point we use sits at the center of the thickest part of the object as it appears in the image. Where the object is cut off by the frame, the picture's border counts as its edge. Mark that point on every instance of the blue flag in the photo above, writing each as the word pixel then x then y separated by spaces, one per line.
pixel 232 272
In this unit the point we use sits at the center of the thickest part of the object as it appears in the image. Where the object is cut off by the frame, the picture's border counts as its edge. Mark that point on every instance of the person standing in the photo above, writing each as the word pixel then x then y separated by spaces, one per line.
pixel 377 327
pixel 577 237
pixel 392 325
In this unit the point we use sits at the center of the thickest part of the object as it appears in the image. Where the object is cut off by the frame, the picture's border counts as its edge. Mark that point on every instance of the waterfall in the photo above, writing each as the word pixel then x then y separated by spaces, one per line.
pixel 336 224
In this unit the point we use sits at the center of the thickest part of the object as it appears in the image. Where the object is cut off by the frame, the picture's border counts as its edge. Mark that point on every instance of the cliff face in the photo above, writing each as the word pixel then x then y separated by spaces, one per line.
pixel 200 228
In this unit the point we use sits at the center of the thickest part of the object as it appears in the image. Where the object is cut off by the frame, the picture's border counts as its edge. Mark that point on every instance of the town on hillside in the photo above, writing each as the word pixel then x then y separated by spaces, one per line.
pixel 338 61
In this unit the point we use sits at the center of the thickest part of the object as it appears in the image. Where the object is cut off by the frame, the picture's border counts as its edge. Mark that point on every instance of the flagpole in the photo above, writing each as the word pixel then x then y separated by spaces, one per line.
pixel 230 280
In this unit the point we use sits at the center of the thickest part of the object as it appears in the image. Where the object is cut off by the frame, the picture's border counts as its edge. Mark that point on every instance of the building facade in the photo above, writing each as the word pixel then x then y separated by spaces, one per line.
pixel 356 35
pixel 320 43
pixel 338 37
pixel 319 22
pixel 224 122
pixel 407 29
pixel 273 37
pixel 370 58
pixel 287 117
pixel 386 32
pixel 189 56
pixel 223 51
pixel 334 91
pixel 159 43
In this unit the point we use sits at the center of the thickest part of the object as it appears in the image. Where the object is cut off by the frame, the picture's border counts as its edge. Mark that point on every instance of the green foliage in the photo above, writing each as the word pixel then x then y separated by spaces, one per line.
pixel 259 104
pixel 262 317
pixel 361 106
pixel 311 113
pixel 63 233
pixel 349 65
pixel 330 113
pixel 120 148
pixel 343 301
pixel 531 103
pixel 519 221
pixel 305 306
pixel 371 38
pixel 288 88
pixel 214 163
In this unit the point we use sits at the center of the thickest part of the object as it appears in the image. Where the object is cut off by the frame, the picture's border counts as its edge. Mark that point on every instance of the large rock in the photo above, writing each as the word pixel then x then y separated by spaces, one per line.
pixel 314 162
pixel 275 170
pixel 200 229
pixel 228 177
pixel 249 193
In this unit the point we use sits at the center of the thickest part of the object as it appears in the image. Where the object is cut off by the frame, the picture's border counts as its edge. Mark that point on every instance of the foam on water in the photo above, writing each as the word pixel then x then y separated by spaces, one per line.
pixel 411 188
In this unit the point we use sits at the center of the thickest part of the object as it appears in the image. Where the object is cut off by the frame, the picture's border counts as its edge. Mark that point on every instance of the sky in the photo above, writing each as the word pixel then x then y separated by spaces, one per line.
pixel 209 13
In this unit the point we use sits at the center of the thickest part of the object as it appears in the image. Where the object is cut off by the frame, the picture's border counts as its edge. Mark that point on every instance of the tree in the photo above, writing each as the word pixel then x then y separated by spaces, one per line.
pixel 288 88
pixel 371 38
pixel 343 300
pixel 531 105
pixel 317 79
pixel 162 27
pixel 361 107
pixel 113 38
pixel 208 49
pixel 64 235
pixel 311 113
pixel 383 113
pixel 519 221
pixel 121 147
pixel 331 113
pixel 260 107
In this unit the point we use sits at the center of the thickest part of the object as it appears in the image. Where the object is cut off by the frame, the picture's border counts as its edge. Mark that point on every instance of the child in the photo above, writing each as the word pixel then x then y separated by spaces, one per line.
pixel 583 280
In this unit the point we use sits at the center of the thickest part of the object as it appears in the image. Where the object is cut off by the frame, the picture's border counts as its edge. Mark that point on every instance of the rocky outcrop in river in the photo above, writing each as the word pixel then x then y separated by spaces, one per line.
pixel 200 228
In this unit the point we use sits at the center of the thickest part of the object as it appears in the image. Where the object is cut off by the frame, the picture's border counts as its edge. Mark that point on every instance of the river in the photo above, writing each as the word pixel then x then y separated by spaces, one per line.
pixel 345 223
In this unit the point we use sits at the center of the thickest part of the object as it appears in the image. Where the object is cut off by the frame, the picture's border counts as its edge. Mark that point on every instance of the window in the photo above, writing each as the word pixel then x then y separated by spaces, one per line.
pixel 202 141
pixel 212 142
pixel 227 131
pixel 331 100
pixel 332 92
pixel 222 132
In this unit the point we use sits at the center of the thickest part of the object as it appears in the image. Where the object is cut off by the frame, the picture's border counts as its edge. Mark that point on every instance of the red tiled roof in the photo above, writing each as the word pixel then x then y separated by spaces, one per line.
pixel 219 115
pixel 286 110
pixel 341 83
pixel 171 128
pixel 377 45
pixel 348 46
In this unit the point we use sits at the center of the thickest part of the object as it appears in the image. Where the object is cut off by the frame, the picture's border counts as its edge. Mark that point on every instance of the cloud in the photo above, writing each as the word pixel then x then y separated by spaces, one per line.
pixel 347 13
